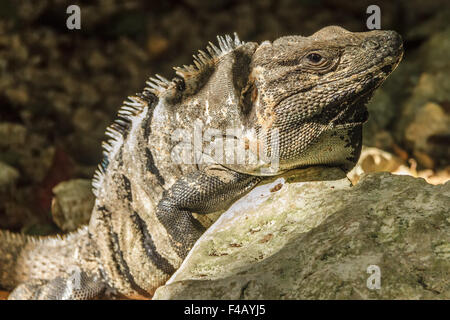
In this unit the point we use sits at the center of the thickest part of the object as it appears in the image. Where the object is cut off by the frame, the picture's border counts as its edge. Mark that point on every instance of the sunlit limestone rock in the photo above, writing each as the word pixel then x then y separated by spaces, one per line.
pixel 388 237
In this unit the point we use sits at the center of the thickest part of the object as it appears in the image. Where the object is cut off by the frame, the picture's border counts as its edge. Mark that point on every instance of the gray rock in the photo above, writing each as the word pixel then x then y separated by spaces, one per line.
pixel 12 134
pixel 375 160
pixel 72 204
pixel 316 240
pixel 430 141
pixel 436 50
pixel 8 175
pixel 423 124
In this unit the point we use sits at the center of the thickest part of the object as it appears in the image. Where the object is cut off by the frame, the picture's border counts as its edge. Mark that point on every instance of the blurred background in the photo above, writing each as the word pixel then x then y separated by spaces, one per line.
pixel 60 88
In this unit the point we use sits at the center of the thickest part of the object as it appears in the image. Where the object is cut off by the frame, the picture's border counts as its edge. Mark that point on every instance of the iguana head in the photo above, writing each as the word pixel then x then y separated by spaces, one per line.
pixel 306 87
pixel 297 101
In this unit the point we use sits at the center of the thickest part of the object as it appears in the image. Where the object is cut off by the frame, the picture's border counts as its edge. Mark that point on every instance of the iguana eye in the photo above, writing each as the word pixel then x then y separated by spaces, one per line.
pixel 314 57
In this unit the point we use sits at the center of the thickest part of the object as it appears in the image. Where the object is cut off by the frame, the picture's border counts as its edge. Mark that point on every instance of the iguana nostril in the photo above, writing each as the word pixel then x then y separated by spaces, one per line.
pixel 395 40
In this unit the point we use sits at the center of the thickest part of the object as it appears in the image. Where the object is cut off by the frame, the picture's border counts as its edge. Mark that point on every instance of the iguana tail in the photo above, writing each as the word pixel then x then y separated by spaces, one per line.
pixel 25 258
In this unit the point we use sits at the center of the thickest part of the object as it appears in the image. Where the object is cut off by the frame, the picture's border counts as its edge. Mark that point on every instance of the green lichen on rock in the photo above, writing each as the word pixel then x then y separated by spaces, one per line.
pixel 316 240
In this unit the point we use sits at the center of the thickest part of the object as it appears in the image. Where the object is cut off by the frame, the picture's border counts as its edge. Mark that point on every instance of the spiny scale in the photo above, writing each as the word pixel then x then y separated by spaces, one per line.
pixel 116 131
pixel 158 86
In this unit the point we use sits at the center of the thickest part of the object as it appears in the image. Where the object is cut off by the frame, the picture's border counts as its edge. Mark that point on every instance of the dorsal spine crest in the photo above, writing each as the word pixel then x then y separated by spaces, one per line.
pixel 116 133
pixel 203 62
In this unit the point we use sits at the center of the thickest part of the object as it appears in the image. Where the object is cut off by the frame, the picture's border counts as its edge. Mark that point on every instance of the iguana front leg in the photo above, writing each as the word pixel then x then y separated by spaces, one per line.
pixel 205 191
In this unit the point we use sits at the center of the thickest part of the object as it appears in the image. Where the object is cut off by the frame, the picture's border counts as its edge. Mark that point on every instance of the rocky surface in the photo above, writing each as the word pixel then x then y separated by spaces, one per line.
pixel 410 115
pixel 376 160
pixel 423 125
pixel 72 204
pixel 316 240
pixel 8 176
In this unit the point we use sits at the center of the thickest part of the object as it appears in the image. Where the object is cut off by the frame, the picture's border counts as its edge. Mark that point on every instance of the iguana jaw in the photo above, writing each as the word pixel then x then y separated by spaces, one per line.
pixel 355 112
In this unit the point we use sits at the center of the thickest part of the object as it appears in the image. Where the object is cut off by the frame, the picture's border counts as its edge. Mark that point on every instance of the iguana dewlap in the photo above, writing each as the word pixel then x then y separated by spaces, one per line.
pixel 297 101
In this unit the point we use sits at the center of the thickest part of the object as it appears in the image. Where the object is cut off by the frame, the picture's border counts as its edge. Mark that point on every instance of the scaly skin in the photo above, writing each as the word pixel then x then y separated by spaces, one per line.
pixel 307 94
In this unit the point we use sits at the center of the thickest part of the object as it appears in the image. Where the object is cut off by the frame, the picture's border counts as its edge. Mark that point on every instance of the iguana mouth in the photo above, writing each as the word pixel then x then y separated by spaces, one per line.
pixel 356 113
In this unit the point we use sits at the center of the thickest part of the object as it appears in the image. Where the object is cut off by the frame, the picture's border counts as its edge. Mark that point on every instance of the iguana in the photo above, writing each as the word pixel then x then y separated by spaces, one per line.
pixel 310 91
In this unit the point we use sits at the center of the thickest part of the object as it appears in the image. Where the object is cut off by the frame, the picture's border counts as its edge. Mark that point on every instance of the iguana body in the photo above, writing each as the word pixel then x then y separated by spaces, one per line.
pixel 304 95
